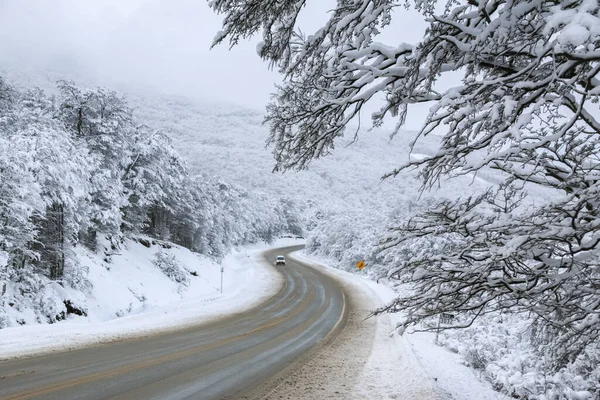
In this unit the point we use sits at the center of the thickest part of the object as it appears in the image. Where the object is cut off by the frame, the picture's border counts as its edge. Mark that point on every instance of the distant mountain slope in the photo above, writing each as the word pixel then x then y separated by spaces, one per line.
pixel 347 208
pixel 229 141
pixel 342 192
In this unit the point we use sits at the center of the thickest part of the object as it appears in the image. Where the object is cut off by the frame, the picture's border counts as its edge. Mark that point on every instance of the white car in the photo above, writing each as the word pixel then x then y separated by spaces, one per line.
pixel 280 260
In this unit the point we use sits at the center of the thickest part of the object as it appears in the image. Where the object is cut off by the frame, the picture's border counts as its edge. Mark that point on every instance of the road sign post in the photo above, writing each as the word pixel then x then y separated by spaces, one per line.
pixel 222 270
pixel 443 318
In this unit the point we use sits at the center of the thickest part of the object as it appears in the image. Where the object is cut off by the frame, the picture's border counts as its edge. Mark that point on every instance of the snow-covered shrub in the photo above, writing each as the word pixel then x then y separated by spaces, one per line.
pixel 169 265
pixel 29 299
pixel 501 349
pixel 76 275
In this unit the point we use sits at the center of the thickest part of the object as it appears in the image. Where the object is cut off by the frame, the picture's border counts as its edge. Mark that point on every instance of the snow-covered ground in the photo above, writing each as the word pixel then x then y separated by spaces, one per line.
pixel 408 366
pixel 131 296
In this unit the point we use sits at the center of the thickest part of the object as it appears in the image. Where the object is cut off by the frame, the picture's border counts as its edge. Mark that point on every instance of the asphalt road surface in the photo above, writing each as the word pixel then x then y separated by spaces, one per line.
pixel 222 359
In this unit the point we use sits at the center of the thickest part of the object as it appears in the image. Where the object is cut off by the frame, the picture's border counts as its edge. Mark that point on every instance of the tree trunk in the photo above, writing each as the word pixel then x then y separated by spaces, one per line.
pixel 54 240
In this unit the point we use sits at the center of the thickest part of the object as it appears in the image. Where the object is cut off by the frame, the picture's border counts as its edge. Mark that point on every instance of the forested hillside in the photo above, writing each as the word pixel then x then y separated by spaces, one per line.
pixel 77 169
pixel 345 209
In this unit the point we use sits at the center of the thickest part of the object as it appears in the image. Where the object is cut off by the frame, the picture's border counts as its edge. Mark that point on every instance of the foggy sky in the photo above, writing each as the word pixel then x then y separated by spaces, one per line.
pixel 155 44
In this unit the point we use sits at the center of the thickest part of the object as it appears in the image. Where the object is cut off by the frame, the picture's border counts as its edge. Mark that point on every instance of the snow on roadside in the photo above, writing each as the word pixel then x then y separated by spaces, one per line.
pixel 409 366
pixel 391 370
pixel 454 379
pixel 404 366
pixel 132 297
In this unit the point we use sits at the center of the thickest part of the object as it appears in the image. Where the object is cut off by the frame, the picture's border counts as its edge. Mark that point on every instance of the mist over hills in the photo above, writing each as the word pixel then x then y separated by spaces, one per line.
pixel 229 141
pixel 346 207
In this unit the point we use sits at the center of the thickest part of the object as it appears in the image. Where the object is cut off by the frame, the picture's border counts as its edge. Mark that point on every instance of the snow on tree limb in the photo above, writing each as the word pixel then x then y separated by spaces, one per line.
pixel 527 106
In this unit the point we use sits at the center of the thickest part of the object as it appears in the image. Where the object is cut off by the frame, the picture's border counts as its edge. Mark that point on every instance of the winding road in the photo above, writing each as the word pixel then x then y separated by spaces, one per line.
pixel 221 359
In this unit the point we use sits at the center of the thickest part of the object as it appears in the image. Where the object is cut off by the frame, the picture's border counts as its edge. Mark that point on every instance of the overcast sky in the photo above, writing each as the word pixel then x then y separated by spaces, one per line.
pixel 156 44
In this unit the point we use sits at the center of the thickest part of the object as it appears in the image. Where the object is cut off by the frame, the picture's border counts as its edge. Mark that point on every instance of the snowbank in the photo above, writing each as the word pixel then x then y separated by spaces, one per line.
pixel 131 296
pixel 410 363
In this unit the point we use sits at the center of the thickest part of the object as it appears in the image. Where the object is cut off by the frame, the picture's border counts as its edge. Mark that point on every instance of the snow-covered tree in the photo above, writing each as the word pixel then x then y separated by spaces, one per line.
pixel 62 168
pixel 19 192
pixel 104 122
pixel 527 107
pixel 153 179
pixel 78 165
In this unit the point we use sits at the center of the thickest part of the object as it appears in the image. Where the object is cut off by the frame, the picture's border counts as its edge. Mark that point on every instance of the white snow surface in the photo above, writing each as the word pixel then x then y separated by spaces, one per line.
pixel 165 305
pixel 400 366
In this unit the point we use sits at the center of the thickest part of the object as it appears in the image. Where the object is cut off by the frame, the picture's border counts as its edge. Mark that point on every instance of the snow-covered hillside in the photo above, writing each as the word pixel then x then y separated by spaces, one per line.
pixel 133 293
pixel 347 209
pixel 81 176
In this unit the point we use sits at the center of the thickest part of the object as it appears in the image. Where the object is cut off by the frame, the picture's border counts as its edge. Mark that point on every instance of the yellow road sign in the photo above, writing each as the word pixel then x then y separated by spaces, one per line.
pixel 360 265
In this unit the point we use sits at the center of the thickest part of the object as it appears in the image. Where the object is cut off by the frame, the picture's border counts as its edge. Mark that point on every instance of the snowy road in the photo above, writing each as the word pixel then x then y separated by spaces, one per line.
pixel 216 360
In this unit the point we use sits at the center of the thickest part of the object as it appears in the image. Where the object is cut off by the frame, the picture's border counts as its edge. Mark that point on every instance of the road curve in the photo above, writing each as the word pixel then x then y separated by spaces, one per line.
pixel 222 359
